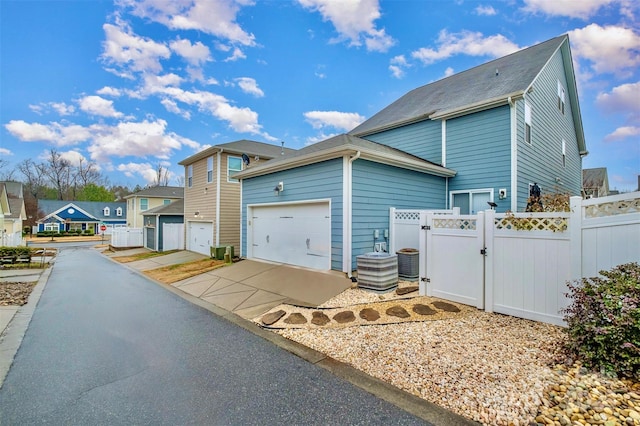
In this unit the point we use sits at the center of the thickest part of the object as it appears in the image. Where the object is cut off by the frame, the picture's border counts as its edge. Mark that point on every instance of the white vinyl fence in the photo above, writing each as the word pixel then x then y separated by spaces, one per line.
pixel 489 261
pixel 13 239
pixel 126 237
pixel 172 236
pixel 404 227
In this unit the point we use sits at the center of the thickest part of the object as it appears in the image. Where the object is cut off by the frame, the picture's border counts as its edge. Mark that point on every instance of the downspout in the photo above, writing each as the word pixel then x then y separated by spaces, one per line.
pixel 348 217
pixel 217 224
pixel 514 154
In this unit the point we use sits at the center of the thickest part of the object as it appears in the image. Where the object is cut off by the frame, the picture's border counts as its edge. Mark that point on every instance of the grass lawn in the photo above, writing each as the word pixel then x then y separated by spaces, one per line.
pixel 174 273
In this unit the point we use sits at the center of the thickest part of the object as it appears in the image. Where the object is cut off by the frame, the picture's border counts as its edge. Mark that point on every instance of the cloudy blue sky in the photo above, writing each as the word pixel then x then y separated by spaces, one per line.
pixel 130 85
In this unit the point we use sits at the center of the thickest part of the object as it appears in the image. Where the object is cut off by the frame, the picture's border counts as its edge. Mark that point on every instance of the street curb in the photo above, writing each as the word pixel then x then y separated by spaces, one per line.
pixel 412 404
pixel 11 338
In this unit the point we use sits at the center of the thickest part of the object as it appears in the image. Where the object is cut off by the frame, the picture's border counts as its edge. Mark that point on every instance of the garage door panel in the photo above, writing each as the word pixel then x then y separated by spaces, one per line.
pixel 297 234
pixel 200 237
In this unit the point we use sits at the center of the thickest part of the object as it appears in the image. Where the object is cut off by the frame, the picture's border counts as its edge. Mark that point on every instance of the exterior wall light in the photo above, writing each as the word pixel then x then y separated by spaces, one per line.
pixel 278 189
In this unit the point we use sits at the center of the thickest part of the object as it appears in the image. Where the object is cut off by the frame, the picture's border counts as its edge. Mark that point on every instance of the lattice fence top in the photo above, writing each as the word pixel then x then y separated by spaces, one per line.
pixel 465 224
pixel 407 215
pixel 613 208
pixel 554 224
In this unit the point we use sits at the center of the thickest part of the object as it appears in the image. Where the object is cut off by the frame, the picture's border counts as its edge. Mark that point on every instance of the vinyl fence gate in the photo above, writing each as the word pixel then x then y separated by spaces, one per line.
pixel 520 264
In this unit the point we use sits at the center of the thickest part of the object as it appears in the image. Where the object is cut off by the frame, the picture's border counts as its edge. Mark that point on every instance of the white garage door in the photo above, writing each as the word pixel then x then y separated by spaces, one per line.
pixel 200 237
pixel 296 234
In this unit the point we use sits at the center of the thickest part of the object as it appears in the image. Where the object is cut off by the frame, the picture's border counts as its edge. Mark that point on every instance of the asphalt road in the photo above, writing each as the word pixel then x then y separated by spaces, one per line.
pixel 108 346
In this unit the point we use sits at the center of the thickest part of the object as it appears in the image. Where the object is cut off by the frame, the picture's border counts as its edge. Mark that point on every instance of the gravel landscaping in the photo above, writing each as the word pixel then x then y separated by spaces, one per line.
pixel 491 368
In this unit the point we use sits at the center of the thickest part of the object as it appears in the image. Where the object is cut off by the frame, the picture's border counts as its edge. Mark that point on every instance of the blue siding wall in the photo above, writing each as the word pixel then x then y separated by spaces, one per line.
pixel 423 139
pixel 376 188
pixel 316 181
pixel 541 161
pixel 479 150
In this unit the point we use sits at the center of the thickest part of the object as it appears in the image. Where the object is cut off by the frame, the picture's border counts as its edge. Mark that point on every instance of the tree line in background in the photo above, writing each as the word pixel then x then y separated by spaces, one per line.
pixel 56 178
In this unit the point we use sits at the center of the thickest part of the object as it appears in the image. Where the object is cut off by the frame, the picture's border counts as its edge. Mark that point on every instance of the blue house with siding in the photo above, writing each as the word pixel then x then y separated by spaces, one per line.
pixel 83 216
pixel 487 134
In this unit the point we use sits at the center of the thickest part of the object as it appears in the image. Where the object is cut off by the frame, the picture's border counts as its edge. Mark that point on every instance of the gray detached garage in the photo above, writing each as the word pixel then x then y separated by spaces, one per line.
pixel 297 233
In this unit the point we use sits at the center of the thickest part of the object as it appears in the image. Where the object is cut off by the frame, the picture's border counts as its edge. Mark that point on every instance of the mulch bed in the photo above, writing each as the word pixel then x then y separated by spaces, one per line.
pixel 15 294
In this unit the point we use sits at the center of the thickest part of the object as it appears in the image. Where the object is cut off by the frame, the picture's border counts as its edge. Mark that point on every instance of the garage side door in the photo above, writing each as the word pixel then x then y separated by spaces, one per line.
pixel 200 237
pixel 295 234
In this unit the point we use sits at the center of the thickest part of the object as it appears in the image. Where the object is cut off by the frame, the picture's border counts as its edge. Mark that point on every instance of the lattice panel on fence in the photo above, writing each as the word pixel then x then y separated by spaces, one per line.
pixel 556 224
pixel 613 208
pixel 407 215
pixel 466 224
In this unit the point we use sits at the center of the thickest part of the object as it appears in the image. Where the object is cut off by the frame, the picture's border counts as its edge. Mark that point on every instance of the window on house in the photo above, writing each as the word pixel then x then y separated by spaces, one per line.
pixel 210 169
pixel 189 176
pixel 52 227
pixel 106 211
pixel 527 122
pixel 119 211
pixel 472 202
pixel 564 153
pixel 234 165
pixel 144 204
pixel 560 97
pixel 166 202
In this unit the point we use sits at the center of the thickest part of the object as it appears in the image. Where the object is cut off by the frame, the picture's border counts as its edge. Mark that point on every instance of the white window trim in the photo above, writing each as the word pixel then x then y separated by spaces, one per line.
pixel 106 211
pixel 229 178
pixel 143 209
pixel 528 113
pixel 119 211
pixel 561 98
pixel 190 176
pixel 210 169
pixel 471 192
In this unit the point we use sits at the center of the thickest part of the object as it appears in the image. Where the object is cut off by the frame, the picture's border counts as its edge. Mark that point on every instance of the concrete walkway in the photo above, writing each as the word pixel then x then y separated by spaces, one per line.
pixel 249 288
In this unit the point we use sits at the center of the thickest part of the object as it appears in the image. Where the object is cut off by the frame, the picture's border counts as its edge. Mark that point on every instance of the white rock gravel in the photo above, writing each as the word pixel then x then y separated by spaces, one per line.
pixel 491 368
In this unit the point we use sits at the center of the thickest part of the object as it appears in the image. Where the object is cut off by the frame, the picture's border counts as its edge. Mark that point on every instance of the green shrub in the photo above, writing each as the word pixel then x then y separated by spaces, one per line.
pixel 15 251
pixel 604 320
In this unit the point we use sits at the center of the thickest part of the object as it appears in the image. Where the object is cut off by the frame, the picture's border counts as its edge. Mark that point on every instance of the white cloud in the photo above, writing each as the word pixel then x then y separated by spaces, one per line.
pixel 109 91
pixel 235 55
pixel 485 10
pixel 173 107
pixel 466 43
pixel 129 52
pixel 354 21
pixel 622 133
pixel 141 139
pixel 5 151
pixel 60 107
pixel 319 138
pixel 144 170
pixel 73 157
pixel 623 98
pixel 249 85
pixel 610 49
pixel 582 9
pixel 397 66
pixel 96 105
pixel 195 54
pixel 449 72
pixel 215 17
pixel 335 119
pixel 56 133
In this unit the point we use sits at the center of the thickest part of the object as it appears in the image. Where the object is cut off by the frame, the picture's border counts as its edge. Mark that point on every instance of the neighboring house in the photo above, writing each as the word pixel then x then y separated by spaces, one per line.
pixel 13 213
pixel 212 193
pixel 595 183
pixel 150 198
pixel 86 216
pixel 487 134
pixel 154 227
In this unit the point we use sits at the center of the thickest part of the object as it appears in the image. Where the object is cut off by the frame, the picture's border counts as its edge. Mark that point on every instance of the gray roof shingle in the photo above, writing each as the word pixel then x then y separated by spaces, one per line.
pixel 496 79
pixel 243 146
pixel 160 192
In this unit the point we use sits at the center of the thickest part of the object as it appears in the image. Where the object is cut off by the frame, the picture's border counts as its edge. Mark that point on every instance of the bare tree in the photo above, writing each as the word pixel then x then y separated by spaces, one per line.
pixel 180 180
pixel 87 172
pixel 34 177
pixel 58 170
pixel 5 172
pixel 162 176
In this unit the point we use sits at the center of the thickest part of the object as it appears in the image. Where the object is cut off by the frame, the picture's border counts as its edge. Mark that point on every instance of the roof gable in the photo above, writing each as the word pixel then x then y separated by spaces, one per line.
pixel 243 146
pixel 93 210
pixel 493 81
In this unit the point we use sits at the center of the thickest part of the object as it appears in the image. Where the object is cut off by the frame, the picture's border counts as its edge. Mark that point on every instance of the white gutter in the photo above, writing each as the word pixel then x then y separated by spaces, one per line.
pixel 338 151
pixel 217 224
pixel 476 106
pixel 514 154
pixel 347 216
